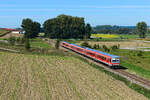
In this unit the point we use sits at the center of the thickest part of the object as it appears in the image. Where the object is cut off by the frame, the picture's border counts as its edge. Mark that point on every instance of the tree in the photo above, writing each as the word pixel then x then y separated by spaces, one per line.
pixel 142 29
pixel 64 26
pixel 31 28
pixel 27 44
pixel 88 30
pixel 35 29
pixel 123 31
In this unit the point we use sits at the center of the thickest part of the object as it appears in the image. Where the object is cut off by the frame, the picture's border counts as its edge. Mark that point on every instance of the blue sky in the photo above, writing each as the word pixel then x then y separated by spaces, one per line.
pixel 95 12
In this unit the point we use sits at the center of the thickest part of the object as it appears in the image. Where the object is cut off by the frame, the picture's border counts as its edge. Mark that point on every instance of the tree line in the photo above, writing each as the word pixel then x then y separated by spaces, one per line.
pixel 141 29
pixel 109 29
pixel 62 27
pixel 65 27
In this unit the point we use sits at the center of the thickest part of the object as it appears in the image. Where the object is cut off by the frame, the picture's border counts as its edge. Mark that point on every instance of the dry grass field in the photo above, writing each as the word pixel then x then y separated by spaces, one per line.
pixel 124 44
pixel 11 34
pixel 33 77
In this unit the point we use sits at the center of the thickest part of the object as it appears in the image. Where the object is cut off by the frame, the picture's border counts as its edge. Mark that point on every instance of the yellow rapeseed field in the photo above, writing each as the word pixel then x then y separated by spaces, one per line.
pixel 104 36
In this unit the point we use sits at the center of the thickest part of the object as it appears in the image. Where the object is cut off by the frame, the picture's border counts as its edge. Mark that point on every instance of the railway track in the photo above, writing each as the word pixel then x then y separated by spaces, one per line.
pixel 132 77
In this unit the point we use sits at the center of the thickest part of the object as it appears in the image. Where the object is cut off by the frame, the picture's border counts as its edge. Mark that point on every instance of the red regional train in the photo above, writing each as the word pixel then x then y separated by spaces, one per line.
pixel 108 59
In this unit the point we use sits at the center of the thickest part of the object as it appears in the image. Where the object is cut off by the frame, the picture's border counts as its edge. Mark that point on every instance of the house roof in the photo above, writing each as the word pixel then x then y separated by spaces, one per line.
pixel 8 29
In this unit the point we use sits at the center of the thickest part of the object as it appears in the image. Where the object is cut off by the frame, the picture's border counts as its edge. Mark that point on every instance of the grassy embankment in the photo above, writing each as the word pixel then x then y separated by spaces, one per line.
pixel 136 61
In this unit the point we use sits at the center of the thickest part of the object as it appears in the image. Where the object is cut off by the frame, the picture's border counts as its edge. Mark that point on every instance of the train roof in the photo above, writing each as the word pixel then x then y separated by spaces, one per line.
pixel 107 54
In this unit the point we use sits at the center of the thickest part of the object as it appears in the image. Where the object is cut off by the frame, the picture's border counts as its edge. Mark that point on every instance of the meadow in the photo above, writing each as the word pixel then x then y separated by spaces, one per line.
pixel 2 32
pixel 39 43
pixel 29 77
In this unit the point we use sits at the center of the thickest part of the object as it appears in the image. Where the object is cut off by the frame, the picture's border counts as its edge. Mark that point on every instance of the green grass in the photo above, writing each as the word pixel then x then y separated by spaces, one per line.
pixel 2 32
pixel 139 70
pixel 135 63
pixel 129 36
pixel 108 40
pixel 38 43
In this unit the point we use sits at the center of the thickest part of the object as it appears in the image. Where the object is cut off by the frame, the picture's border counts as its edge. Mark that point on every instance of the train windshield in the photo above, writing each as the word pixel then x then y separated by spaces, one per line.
pixel 115 60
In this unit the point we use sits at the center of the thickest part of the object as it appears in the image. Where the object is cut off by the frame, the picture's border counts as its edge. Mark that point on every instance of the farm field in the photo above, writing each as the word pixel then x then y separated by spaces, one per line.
pixel 3 31
pixel 57 78
pixel 124 44
pixel 111 36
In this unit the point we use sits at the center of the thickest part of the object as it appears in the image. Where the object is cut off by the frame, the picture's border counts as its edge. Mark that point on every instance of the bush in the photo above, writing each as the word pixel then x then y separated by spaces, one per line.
pixel 96 46
pixel 106 48
pixel 20 40
pixel 27 44
pixel 57 44
pixel 114 47
pixel 12 40
pixel 85 44
pixel 140 53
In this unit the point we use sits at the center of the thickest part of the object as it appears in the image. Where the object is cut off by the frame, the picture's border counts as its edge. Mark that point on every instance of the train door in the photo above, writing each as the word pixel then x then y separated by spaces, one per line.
pixel 109 60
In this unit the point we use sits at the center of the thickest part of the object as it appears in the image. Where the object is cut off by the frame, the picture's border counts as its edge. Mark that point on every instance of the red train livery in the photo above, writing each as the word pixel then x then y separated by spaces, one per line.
pixel 109 59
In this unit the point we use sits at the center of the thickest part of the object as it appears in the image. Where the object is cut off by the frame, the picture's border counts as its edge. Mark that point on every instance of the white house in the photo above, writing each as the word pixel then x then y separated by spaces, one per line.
pixel 17 32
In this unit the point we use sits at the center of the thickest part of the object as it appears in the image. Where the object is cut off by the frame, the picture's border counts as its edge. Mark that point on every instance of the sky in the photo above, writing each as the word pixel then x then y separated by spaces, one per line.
pixel 95 12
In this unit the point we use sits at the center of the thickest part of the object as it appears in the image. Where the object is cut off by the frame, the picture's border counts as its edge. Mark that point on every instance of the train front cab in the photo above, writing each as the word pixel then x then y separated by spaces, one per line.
pixel 115 62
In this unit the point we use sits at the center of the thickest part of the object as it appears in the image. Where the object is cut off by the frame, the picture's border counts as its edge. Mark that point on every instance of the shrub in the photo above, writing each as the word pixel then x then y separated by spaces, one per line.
pixel 12 40
pixel 85 44
pixel 20 40
pixel 96 46
pixel 57 44
pixel 114 47
pixel 140 53
pixel 106 48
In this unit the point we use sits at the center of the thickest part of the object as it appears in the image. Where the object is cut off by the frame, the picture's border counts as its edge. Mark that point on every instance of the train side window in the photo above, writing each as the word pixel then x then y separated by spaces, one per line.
pixel 101 57
pixel 92 54
pixel 79 49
